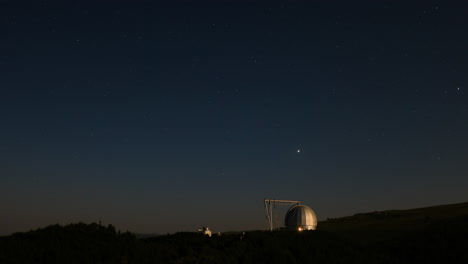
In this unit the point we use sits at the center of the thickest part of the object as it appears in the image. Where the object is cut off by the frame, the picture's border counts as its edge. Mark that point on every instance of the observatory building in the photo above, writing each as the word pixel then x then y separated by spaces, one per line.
pixel 300 217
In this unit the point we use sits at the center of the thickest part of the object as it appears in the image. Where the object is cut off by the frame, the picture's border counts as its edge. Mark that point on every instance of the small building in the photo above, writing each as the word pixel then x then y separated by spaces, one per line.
pixel 205 230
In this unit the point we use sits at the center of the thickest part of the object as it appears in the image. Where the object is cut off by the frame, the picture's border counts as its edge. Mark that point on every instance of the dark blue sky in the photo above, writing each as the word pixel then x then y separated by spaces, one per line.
pixel 167 117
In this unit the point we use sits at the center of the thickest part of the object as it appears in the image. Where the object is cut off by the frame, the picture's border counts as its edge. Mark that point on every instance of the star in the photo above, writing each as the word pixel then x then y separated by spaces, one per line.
pixel 298 151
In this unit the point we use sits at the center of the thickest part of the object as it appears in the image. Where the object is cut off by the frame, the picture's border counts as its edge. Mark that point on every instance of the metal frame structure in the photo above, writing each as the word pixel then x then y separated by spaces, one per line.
pixel 269 205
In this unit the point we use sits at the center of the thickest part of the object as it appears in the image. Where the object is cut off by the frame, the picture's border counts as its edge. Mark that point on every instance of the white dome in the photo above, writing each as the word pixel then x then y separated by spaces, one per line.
pixel 300 217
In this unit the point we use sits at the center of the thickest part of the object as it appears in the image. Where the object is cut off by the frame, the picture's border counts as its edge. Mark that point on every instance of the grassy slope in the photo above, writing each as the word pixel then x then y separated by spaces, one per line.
pixel 427 235
pixel 385 225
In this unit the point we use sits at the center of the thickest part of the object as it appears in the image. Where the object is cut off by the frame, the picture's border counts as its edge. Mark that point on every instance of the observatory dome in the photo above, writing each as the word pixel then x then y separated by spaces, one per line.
pixel 300 217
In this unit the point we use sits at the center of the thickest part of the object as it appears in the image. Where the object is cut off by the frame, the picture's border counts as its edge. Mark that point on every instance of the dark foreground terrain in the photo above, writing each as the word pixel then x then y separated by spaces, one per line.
pixel 427 235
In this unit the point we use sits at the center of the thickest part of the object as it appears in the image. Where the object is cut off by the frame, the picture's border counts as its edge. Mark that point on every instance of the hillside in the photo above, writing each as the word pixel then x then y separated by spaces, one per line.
pixel 384 225
pixel 436 234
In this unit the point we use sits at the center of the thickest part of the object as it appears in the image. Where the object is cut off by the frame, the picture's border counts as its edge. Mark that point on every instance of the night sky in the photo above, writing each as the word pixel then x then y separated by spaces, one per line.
pixel 158 117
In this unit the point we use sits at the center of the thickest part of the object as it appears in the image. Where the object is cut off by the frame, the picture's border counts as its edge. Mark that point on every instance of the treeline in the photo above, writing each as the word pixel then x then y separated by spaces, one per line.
pixel 75 243
pixel 444 242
